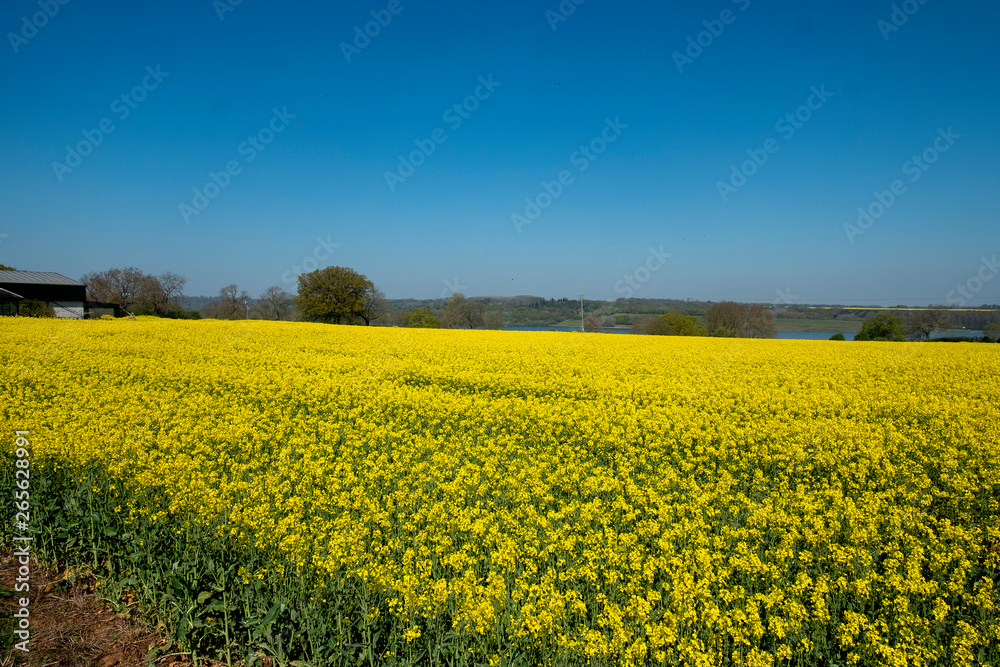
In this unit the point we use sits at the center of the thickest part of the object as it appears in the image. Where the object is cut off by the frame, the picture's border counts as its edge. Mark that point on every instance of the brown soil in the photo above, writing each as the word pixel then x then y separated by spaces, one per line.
pixel 72 627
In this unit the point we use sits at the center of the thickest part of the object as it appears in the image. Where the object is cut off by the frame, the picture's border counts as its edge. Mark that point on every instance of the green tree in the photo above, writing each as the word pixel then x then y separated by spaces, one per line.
pixel 992 328
pixel 882 327
pixel 422 318
pixel 676 324
pixel 837 336
pixel 32 308
pixel 335 295
pixel 4 267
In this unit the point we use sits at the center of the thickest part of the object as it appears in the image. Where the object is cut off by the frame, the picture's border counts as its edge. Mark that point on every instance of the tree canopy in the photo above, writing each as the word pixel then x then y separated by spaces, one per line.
pixel 422 318
pixel 882 327
pixel 338 295
pixel 676 324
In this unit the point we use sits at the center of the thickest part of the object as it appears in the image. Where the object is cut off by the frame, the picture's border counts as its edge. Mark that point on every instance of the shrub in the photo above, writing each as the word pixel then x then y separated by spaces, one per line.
pixel 32 308
pixel 421 318
pixel 882 327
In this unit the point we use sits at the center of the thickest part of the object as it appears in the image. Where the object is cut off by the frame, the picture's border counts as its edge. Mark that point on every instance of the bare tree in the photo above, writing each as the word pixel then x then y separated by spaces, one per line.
pixel 462 313
pixel 592 323
pixel 920 324
pixel 727 318
pixel 641 324
pixel 493 319
pixel 117 286
pixel 173 288
pixel 375 305
pixel 274 304
pixel 758 323
pixel 231 304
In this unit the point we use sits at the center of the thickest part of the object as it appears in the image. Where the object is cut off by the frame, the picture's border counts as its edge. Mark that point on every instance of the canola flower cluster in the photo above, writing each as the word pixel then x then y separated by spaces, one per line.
pixel 615 499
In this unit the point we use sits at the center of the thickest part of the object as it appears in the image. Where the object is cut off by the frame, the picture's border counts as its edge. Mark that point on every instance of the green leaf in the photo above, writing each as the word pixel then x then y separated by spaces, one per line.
pixel 271 614
pixel 204 595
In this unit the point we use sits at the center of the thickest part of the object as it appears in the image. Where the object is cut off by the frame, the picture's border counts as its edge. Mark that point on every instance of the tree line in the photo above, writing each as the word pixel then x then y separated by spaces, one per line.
pixel 725 319
pixel 917 325
pixel 341 295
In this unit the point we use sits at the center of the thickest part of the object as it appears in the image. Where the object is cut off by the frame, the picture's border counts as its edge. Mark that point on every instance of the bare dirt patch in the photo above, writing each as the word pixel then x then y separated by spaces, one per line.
pixel 71 626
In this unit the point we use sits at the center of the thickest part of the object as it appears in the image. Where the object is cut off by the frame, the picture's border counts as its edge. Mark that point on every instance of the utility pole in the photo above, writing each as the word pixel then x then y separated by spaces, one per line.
pixel 247 304
pixel 581 312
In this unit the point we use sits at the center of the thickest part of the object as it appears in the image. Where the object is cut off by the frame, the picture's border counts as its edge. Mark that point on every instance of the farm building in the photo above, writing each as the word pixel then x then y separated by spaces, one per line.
pixel 67 297
pixel 9 302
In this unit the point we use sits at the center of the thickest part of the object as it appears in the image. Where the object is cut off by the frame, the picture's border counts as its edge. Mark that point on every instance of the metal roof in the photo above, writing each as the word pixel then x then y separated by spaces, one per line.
pixel 7 294
pixel 37 277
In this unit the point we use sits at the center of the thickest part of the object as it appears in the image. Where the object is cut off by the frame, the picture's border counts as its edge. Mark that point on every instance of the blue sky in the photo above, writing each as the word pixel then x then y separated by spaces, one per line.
pixel 640 206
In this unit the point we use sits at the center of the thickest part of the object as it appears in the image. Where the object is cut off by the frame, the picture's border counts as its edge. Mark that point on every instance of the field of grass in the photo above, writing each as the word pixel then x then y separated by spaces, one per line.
pixel 331 495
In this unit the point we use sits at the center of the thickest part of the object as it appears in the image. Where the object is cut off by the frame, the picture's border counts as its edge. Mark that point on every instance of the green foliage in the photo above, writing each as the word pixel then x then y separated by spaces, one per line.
pixel 32 308
pixel 882 327
pixel 220 597
pixel 676 324
pixel 837 336
pixel 335 295
pixel 4 267
pixel 421 318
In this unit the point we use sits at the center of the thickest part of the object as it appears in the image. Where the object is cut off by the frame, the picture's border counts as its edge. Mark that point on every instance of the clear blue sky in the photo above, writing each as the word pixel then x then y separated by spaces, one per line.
pixel 323 175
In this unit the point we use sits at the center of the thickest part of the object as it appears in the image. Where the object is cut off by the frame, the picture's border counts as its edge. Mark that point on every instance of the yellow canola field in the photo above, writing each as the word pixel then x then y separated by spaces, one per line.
pixel 624 499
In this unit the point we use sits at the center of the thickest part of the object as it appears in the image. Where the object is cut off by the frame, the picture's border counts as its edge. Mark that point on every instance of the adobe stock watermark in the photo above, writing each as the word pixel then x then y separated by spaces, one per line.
pixel 785 298
pixel 633 282
pixel 696 44
pixel 961 295
pixel 787 126
pixel 249 149
pixel 363 38
pixel 915 167
pixel 452 288
pixel 223 7
pixel 122 107
pixel 324 248
pixel 561 13
pixel 37 21
pixel 899 17
pixel 582 158
pixel 22 523
pixel 454 116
